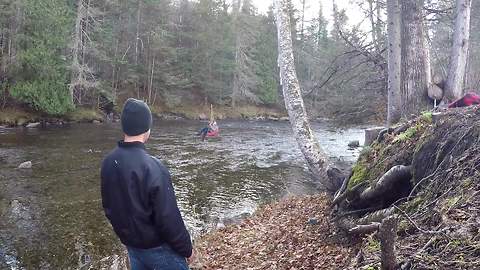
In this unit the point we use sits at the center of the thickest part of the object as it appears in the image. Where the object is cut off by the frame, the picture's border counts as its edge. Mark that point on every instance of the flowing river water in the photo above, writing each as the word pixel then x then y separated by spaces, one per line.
pixel 51 215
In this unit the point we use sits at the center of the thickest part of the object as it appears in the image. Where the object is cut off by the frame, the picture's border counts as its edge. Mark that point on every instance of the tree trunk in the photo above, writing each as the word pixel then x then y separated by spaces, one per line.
pixel 372 22
pixel 137 42
pixel 459 53
pixel 150 86
pixel 317 160
pixel 302 29
pixel 236 76
pixel 77 74
pixel 416 75
pixel 379 28
pixel 394 61
pixel 336 22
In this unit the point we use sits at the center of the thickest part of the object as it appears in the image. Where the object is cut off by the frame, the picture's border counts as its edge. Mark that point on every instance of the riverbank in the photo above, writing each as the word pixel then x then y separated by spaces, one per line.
pixel 294 233
pixel 437 218
pixel 19 116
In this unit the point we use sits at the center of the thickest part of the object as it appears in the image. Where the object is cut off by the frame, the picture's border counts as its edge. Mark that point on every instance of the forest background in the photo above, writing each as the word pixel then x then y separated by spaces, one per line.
pixel 59 56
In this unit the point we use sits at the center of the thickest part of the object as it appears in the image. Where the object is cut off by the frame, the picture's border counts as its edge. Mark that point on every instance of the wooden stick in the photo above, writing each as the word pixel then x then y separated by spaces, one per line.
pixel 387 234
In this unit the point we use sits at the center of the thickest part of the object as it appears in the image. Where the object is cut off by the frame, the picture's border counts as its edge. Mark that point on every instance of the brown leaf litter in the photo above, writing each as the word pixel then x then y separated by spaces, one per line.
pixel 295 233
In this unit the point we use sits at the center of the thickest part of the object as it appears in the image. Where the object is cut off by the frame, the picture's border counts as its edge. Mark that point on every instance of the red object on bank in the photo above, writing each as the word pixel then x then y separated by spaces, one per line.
pixel 468 100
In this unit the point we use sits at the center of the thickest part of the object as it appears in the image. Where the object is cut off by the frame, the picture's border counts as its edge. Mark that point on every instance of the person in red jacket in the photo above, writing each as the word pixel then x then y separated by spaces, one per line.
pixel 139 200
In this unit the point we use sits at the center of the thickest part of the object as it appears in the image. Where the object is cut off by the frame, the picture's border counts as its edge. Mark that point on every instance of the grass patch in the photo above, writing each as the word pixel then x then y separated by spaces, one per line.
pixel 14 117
pixel 84 115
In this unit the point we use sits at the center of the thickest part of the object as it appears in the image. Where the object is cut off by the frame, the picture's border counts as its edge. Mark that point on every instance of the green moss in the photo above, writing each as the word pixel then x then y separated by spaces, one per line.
pixel 84 115
pixel 359 175
pixel 450 202
pixel 467 183
pixel 407 135
pixel 373 244
pixel 414 204
pixel 404 226
pixel 426 117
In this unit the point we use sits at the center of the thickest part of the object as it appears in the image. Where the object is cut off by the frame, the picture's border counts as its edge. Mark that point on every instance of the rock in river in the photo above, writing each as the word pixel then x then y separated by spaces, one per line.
pixel 25 165
pixel 354 144
pixel 33 125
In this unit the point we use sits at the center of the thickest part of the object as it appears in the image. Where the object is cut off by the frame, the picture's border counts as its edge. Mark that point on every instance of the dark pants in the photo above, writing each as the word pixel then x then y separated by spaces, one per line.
pixel 203 132
pixel 159 258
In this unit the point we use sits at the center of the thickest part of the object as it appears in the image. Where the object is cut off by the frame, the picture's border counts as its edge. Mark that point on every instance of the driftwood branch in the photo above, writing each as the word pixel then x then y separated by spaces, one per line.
pixel 365 229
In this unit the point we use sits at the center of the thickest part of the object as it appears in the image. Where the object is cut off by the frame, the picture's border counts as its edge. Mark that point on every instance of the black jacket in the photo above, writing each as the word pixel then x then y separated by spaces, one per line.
pixel 139 200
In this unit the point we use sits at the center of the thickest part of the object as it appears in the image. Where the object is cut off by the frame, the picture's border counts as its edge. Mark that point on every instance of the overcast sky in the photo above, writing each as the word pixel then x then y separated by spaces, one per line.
pixel 312 7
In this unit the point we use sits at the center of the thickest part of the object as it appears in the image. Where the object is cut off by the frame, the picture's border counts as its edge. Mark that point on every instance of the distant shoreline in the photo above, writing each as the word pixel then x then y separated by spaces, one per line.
pixel 21 117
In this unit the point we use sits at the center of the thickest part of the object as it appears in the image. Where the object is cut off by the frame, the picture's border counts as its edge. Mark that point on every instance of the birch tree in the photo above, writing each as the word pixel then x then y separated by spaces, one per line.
pixel 394 60
pixel 316 158
pixel 459 51
pixel 372 22
pixel 82 78
pixel 416 74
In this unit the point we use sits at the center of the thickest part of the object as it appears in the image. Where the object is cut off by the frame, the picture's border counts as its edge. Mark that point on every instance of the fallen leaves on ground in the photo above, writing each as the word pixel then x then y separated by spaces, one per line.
pixel 295 233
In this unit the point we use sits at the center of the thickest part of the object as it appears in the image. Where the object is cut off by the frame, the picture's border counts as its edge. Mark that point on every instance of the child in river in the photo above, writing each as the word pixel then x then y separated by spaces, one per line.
pixel 212 126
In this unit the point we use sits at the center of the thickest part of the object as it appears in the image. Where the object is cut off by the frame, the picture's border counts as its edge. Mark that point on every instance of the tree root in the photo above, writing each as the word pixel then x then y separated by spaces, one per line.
pixel 390 187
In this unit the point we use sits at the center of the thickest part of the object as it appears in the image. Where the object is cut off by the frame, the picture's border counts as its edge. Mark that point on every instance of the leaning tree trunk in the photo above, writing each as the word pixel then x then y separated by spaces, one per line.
pixel 316 159
pixel 459 53
pixel 394 61
pixel 416 73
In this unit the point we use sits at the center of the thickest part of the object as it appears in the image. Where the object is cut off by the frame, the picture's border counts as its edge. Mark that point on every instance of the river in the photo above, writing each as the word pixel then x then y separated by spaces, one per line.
pixel 51 215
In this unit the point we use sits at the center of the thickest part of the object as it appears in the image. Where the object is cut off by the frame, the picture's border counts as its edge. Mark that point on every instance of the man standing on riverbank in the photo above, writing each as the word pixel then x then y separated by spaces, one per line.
pixel 139 200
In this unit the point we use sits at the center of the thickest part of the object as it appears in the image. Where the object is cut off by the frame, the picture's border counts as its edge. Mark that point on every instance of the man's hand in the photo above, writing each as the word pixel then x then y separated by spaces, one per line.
pixel 192 257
